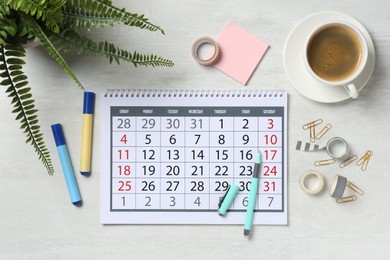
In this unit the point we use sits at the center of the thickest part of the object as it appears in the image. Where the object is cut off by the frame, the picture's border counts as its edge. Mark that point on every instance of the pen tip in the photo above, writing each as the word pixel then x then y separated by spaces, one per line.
pixel 246 232
pixel 85 173
pixel 258 157
pixel 77 203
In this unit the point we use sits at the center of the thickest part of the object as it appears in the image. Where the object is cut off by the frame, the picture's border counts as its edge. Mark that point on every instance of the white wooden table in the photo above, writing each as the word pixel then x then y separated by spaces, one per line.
pixel 37 220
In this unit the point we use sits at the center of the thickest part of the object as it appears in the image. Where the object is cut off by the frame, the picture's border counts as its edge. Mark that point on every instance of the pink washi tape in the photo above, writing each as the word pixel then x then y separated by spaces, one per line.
pixel 198 43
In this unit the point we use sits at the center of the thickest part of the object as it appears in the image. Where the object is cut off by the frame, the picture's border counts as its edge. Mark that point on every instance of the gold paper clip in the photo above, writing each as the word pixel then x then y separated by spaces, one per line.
pixel 323 131
pixel 312 134
pixel 364 160
pixel 324 162
pixel 348 161
pixel 312 124
pixel 355 188
pixel 346 199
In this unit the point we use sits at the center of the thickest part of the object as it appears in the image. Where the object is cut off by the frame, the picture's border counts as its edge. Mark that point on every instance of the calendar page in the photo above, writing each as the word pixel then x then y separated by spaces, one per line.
pixel 168 157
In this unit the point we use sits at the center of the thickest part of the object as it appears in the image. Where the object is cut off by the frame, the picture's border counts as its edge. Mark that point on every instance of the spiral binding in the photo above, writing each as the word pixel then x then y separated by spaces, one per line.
pixel 192 93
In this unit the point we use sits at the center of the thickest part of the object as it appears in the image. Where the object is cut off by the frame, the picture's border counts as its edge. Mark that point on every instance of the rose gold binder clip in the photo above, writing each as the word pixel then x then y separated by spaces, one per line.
pixel 324 162
pixel 323 131
pixel 363 161
pixel 311 127
pixel 348 161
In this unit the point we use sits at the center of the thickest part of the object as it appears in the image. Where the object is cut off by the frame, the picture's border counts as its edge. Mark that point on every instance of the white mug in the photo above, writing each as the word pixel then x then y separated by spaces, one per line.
pixel 347 83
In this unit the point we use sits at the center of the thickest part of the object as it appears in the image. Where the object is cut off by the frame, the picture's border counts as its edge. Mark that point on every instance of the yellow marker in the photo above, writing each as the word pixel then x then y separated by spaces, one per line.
pixel 86 136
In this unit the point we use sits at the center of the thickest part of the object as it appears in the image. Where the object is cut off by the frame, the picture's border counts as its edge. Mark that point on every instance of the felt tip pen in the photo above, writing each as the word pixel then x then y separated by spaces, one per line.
pixel 66 164
pixel 86 133
pixel 252 195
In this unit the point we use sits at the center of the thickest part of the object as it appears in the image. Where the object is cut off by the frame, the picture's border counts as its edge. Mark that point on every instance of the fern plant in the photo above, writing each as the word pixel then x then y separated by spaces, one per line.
pixel 56 24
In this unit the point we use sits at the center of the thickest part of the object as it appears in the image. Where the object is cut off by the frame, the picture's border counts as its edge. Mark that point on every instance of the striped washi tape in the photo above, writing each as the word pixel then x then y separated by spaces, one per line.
pixel 308 147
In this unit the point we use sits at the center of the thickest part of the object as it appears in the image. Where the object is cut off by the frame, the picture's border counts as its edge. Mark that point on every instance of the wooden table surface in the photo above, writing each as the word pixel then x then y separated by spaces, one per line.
pixel 37 220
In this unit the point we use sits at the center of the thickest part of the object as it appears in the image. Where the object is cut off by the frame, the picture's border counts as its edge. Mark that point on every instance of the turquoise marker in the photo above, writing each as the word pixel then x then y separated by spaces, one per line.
pixel 227 199
pixel 66 164
pixel 252 195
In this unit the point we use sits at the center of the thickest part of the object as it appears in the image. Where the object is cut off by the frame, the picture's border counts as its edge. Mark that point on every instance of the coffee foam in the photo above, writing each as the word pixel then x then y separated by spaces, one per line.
pixel 334 53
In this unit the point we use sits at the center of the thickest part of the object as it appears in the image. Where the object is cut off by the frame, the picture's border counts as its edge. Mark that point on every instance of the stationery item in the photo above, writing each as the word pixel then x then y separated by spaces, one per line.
pixel 168 156
pixel 363 161
pixel 324 162
pixel 315 188
pixel 227 200
pixel 323 131
pixel 308 147
pixel 294 66
pixel 252 195
pixel 338 187
pixel 66 164
pixel 86 133
pixel 215 54
pixel 311 126
pixel 241 52
pixel 337 147
pixel 346 199
pixel 348 161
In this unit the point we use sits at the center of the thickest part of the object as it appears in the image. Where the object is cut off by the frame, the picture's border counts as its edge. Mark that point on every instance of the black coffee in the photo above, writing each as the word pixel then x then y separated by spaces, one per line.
pixel 334 53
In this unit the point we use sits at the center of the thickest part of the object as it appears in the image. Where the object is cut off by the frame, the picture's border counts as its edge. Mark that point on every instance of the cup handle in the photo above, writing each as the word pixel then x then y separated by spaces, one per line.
pixel 351 89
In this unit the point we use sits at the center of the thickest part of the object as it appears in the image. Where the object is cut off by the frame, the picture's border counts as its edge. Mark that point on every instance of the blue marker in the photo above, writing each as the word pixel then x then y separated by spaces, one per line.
pixel 252 195
pixel 66 164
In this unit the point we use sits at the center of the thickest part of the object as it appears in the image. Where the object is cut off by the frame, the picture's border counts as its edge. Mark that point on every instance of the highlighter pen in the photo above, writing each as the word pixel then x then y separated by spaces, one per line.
pixel 227 199
pixel 252 195
pixel 86 134
pixel 66 164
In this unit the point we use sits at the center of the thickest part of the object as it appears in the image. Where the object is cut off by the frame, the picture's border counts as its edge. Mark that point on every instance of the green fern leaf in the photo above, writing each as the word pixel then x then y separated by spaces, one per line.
pixel 47 11
pixel 8 28
pixel 52 51
pixel 101 13
pixel 77 17
pixel 4 10
pixel 21 100
pixel 72 41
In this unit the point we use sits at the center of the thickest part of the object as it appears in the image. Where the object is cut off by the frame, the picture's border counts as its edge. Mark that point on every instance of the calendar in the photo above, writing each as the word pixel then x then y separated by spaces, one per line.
pixel 168 157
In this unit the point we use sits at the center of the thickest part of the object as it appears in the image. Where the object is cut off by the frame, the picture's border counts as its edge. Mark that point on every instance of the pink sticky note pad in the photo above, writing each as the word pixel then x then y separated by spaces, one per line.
pixel 240 52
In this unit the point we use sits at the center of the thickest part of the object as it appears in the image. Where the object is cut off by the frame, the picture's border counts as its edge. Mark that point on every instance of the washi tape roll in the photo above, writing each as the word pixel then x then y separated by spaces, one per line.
pixel 338 186
pixel 319 179
pixel 199 42
pixel 308 147
pixel 337 147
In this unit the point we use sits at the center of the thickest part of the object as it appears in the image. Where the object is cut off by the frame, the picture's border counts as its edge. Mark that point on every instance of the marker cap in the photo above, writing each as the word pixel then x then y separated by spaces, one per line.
pixel 227 199
pixel 89 102
pixel 58 134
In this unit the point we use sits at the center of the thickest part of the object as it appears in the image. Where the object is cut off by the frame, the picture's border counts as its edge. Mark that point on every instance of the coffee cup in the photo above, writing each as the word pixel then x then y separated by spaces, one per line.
pixel 336 54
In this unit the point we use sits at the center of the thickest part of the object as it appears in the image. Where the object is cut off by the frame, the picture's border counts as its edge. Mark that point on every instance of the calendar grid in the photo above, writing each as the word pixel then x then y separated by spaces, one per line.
pixel 135 165
pixel 225 157
pixel 185 172
pixel 160 165
pixel 209 165
pixel 234 159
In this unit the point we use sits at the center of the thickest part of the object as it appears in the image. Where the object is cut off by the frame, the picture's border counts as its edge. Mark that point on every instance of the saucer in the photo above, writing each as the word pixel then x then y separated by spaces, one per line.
pixel 295 69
